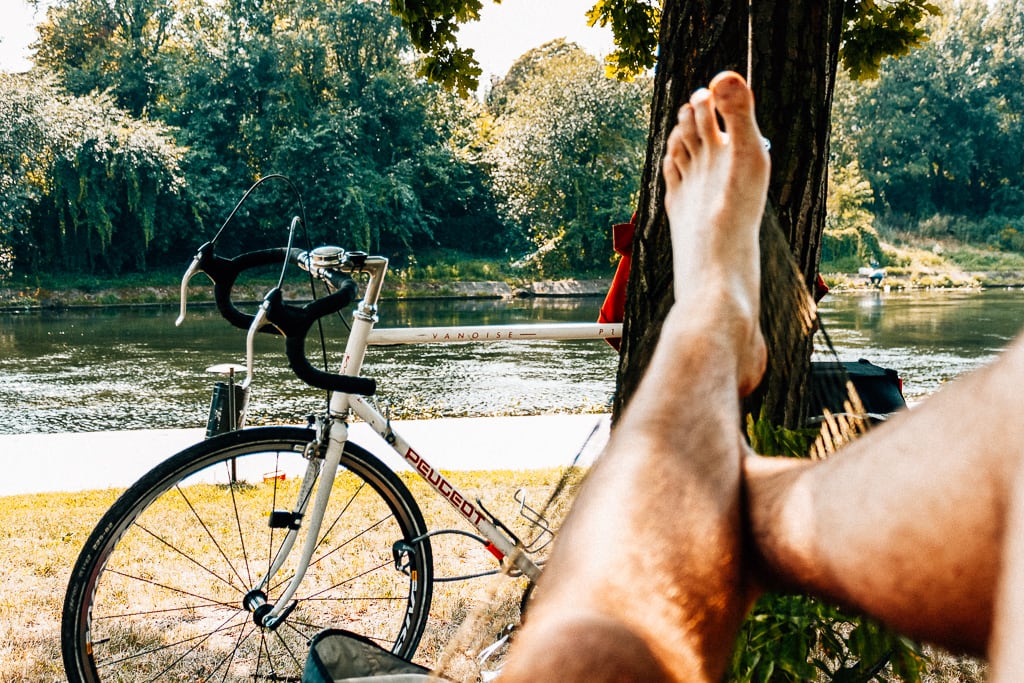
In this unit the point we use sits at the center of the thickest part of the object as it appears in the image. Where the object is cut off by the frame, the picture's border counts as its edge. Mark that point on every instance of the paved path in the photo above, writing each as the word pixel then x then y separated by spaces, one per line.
pixel 35 463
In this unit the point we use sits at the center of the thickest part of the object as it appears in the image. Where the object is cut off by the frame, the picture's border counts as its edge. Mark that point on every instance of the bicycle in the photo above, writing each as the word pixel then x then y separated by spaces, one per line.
pixel 196 571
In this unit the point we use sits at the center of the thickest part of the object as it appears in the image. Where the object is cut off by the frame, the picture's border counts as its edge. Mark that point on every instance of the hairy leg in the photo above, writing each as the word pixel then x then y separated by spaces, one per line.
pixel 646 581
pixel 1007 640
pixel 908 523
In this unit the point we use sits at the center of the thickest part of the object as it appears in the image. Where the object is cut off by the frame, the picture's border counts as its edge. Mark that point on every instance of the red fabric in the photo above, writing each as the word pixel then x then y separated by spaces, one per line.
pixel 613 310
pixel 820 288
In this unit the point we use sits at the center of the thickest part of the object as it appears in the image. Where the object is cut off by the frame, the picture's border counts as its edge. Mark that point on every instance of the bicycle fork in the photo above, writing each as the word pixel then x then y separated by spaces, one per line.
pixel 269 615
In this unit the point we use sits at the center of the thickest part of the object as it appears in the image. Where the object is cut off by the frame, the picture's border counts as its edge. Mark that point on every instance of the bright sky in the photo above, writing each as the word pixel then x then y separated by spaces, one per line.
pixel 503 33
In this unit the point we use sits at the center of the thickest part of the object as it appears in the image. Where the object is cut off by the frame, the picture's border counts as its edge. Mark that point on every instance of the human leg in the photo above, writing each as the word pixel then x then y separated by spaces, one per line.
pixel 645 582
pixel 1007 639
pixel 907 523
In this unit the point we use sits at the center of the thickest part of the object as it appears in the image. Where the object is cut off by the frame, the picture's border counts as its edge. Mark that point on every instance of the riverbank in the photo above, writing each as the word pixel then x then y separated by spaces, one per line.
pixel 36 298
pixel 900 279
pixel 68 462
pixel 895 278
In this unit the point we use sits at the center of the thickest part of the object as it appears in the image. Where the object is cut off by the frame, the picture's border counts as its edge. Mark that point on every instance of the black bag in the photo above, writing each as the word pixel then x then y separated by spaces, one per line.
pixel 336 655
pixel 879 389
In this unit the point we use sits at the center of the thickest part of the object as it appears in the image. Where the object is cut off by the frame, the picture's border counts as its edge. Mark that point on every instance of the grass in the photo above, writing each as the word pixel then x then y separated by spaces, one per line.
pixel 433 273
pixel 916 263
pixel 41 536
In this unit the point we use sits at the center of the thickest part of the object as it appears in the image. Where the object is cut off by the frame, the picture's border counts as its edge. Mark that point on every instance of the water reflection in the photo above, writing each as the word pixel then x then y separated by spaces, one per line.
pixel 930 337
pixel 132 369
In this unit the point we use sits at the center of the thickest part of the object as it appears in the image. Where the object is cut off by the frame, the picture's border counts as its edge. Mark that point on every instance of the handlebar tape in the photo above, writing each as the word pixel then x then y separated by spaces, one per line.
pixel 293 321
pixel 225 271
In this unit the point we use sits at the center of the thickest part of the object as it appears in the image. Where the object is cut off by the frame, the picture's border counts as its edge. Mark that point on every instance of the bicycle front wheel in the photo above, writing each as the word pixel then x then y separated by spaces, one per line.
pixel 169 584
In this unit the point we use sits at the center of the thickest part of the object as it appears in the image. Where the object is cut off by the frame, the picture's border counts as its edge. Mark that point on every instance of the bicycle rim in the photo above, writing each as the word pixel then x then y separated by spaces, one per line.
pixel 159 591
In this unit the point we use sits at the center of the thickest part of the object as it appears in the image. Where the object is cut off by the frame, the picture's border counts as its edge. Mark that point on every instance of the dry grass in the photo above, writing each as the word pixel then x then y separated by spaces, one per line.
pixel 40 537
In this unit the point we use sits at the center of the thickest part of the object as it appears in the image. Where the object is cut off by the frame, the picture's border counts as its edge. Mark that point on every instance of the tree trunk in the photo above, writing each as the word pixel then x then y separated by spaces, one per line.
pixel 795 47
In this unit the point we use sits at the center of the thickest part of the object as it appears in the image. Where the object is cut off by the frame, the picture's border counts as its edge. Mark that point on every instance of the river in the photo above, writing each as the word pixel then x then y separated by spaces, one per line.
pixel 131 368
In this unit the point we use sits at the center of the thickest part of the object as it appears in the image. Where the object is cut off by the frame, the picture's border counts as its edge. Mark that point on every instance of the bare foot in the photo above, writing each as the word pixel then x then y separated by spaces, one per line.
pixel 646 581
pixel 716 184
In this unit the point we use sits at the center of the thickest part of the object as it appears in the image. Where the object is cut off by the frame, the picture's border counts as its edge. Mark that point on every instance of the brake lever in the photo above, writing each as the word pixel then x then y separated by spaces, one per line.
pixel 258 321
pixel 250 337
pixel 189 274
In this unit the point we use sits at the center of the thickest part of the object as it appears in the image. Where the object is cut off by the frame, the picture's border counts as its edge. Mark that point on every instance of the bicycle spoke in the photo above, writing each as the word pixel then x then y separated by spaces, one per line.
pixel 195 647
pixel 287 649
pixel 172 589
pixel 203 637
pixel 209 533
pixel 243 635
pixel 350 579
pixel 164 580
pixel 241 535
pixel 314 562
pixel 191 559
pixel 313 628
pixel 354 538
pixel 344 509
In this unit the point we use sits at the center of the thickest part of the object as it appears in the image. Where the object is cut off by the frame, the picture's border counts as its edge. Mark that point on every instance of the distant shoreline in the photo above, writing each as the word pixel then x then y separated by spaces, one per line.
pixel 129 297
pixel 14 300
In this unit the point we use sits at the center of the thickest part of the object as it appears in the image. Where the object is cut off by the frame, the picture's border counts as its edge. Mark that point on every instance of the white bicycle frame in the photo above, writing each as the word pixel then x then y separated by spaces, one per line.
pixel 363 334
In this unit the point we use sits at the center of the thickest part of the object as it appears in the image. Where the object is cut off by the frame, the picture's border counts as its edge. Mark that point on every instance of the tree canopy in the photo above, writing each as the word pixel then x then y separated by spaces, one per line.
pixel 938 131
pixel 324 92
pixel 872 30
pixel 79 174
pixel 564 150
pixel 327 93
pixel 146 119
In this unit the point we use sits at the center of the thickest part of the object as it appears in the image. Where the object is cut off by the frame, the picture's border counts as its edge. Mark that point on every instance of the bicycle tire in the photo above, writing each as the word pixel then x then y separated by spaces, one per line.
pixel 157 592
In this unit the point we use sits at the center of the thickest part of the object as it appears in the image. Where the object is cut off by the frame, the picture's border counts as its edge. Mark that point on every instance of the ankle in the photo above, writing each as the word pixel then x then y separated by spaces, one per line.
pixel 779 521
pixel 722 325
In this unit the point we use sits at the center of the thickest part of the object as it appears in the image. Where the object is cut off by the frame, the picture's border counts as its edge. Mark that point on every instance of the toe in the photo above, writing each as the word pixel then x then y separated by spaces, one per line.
pixel 676 156
pixel 705 121
pixel 734 101
pixel 688 130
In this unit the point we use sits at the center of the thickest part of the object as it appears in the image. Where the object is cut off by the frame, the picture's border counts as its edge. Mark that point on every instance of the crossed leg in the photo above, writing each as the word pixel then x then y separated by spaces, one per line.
pixel 645 583
pixel 910 523
pixel 920 524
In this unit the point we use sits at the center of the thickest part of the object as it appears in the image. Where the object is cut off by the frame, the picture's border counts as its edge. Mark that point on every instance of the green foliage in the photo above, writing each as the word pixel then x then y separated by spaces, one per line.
pixel 939 132
pixel 432 26
pixel 321 91
pixel 986 259
pixel 768 439
pixel 22 161
pixel 791 638
pixel 993 230
pixel 566 145
pixel 875 29
pixel 635 27
pixel 86 177
pixel 850 237
pixel 115 45
pixel 443 265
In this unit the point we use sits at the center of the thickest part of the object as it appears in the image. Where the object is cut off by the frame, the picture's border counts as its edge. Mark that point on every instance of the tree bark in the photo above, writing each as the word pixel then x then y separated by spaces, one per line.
pixel 795 49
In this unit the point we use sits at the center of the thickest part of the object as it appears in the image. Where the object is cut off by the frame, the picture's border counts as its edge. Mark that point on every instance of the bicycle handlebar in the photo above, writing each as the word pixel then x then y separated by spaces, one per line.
pixel 293 322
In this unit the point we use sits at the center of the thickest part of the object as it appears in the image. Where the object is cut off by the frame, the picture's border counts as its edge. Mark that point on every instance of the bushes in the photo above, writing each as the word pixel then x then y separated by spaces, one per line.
pixel 847 249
